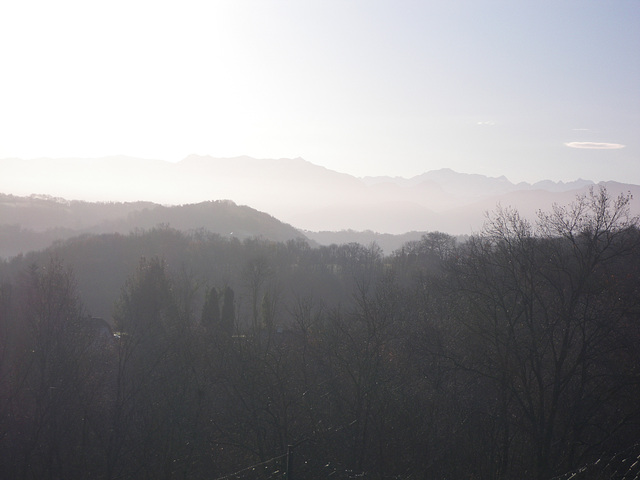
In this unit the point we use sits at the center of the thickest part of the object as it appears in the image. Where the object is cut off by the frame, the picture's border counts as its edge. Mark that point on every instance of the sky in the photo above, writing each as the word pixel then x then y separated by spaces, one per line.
pixel 531 90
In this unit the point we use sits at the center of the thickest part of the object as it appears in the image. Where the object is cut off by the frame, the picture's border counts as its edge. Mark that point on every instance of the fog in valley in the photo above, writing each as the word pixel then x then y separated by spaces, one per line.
pixel 307 196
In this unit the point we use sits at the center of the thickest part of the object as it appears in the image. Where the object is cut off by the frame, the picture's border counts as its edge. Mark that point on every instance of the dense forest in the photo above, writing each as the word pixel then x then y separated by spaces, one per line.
pixel 162 354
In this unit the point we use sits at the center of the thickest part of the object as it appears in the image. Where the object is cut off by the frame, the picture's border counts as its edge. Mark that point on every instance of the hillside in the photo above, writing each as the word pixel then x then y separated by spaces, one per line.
pixel 33 223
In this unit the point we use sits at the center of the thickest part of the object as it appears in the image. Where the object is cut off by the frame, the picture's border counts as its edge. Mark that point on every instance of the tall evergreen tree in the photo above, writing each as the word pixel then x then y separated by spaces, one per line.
pixel 211 310
pixel 228 317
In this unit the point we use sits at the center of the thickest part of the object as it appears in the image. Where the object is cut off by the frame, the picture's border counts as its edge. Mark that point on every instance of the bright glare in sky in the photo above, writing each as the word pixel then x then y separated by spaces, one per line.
pixel 527 89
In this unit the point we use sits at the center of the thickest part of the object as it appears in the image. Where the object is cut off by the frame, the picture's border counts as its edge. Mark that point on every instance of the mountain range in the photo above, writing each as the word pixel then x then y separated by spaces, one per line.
pixel 309 197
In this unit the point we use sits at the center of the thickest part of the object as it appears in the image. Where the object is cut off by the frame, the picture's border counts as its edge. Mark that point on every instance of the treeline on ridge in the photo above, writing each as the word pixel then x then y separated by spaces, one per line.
pixel 33 223
pixel 515 354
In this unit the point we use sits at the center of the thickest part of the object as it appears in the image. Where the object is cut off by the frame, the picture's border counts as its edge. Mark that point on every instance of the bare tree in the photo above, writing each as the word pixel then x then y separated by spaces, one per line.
pixel 541 320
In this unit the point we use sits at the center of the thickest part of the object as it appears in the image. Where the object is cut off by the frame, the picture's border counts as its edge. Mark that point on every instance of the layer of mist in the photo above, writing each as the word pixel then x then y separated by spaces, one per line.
pixel 297 192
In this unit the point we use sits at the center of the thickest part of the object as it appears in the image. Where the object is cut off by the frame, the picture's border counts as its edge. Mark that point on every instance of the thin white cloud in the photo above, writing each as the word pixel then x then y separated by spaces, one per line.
pixel 595 145
pixel 487 123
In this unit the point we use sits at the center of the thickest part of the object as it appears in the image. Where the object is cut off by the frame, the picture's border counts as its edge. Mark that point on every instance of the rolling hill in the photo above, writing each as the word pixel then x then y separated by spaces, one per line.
pixel 299 193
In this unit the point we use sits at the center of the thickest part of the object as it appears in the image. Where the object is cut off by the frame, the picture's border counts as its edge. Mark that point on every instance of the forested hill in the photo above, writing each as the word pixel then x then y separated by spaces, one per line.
pixel 33 223
pixel 102 263
pixel 512 355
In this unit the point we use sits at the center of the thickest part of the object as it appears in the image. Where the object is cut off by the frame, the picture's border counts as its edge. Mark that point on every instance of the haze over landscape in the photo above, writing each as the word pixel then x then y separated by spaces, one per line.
pixel 307 196
pixel 311 239
pixel 529 90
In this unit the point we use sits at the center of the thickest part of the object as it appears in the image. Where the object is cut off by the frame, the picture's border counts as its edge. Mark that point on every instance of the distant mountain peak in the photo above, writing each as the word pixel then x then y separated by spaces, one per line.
pixel 294 190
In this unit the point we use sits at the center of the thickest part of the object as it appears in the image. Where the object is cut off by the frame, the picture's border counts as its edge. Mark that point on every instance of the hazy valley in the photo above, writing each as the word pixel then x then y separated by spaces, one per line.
pixel 306 196
pixel 201 318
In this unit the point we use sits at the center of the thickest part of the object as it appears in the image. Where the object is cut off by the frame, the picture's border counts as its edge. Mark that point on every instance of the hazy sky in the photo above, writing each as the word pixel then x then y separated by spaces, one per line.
pixel 527 89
